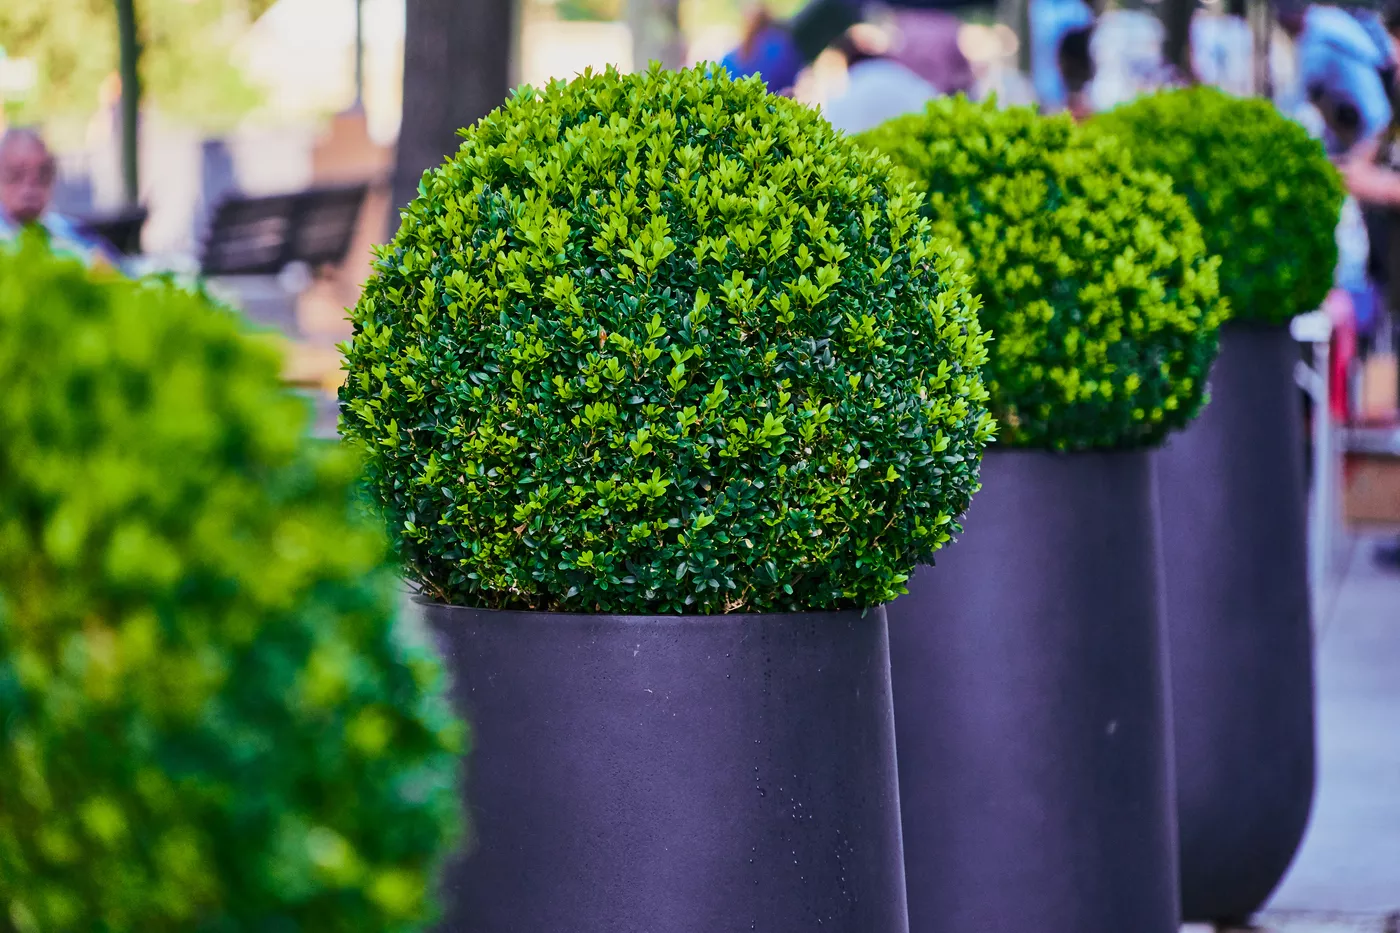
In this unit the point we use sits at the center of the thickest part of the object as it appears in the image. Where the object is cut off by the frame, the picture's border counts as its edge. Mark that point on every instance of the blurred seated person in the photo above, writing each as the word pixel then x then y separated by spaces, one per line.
pixel 878 87
pixel 27 174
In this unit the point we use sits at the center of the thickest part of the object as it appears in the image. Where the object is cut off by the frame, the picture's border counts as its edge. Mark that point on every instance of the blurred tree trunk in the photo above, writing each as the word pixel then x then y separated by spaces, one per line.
pixel 129 51
pixel 1016 15
pixel 359 55
pixel 656 33
pixel 457 67
pixel 1176 45
pixel 1261 26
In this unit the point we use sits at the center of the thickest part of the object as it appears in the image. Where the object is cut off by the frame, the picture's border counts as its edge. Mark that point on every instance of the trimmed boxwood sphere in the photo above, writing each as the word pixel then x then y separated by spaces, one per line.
pixel 209 720
pixel 1266 195
pixel 666 343
pixel 1095 281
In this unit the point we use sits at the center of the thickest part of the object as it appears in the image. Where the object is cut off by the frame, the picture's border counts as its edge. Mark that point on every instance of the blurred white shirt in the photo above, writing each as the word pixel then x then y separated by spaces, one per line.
pixel 877 90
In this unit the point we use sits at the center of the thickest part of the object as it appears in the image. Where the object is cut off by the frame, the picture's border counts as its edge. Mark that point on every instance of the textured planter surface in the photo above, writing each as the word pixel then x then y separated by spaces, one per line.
pixel 1030 708
pixel 1234 558
pixel 676 774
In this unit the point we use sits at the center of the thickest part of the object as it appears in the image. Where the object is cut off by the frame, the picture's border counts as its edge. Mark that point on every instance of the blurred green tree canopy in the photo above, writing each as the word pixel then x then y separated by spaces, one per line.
pixel 589 9
pixel 187 66
pixel 693 11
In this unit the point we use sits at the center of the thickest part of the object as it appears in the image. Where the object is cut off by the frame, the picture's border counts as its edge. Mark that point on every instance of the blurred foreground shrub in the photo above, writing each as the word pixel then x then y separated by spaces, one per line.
pixel 208 718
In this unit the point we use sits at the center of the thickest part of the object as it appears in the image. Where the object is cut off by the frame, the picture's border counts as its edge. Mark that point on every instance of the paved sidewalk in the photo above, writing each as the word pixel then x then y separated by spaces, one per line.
pixel 1347 875
pixel 1309 922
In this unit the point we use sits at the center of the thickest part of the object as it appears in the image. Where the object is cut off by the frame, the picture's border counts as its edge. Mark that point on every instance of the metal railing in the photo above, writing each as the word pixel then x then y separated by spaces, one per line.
pixel 1324 495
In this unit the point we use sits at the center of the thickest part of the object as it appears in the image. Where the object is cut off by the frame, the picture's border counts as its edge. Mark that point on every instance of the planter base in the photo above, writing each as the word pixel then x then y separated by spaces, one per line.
pixel 1030 708
pixel 675 774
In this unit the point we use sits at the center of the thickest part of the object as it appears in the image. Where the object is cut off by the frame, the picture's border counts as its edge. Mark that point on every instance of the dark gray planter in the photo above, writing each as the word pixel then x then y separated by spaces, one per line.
pixel 676 774
pixel 1030 708
pixel 1234 557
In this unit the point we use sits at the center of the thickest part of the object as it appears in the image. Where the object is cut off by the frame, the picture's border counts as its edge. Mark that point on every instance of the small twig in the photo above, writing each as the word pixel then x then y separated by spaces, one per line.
pixel 424 580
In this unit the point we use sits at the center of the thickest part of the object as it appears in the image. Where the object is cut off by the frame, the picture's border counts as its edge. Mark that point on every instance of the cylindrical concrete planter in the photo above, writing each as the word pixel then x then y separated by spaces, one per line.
pixel 1030 708
pixel 675 774
pixel 1234 556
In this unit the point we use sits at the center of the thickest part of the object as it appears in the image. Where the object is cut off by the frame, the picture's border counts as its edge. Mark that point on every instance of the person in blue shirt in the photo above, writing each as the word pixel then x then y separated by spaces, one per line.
pixel 1341 59
pixel 27 175
pixel 767 50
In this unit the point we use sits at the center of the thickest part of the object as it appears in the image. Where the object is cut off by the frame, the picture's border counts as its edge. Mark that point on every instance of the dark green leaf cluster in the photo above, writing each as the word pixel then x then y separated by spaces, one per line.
pixel 209 720
pixel 666 343
pixel 1095 282
pixel 1266 196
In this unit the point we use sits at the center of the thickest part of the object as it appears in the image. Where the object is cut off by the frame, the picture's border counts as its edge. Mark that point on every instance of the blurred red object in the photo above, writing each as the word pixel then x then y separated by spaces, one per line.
pixel 1340 310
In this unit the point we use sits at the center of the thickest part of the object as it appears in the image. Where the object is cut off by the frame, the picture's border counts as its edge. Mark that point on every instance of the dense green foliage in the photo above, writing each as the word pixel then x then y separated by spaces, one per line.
pixel 666 343
pixel 1094 280
pixel 1267 198
pixel 208 719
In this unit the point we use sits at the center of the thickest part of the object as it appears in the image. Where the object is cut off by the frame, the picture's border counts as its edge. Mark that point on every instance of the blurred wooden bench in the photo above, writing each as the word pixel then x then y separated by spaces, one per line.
pixel 264 235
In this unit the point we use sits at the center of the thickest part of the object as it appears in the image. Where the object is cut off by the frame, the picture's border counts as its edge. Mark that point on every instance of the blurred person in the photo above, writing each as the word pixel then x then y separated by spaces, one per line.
pixel 778 51
pixel 1367 169
pixel 1341 60
pixel 1051 23
pixel 926 42
pixel 28 171
pixel 1372 175
pixel 878 87
pixel 886 77
pixel 1375 24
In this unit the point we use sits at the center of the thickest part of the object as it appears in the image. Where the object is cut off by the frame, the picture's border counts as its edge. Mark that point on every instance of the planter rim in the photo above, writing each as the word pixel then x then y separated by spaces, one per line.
pixel 1051 453
pixel 873 614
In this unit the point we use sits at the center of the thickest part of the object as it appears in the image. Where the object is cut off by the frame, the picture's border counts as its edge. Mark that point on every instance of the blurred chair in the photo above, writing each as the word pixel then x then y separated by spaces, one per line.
pixel 277 246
